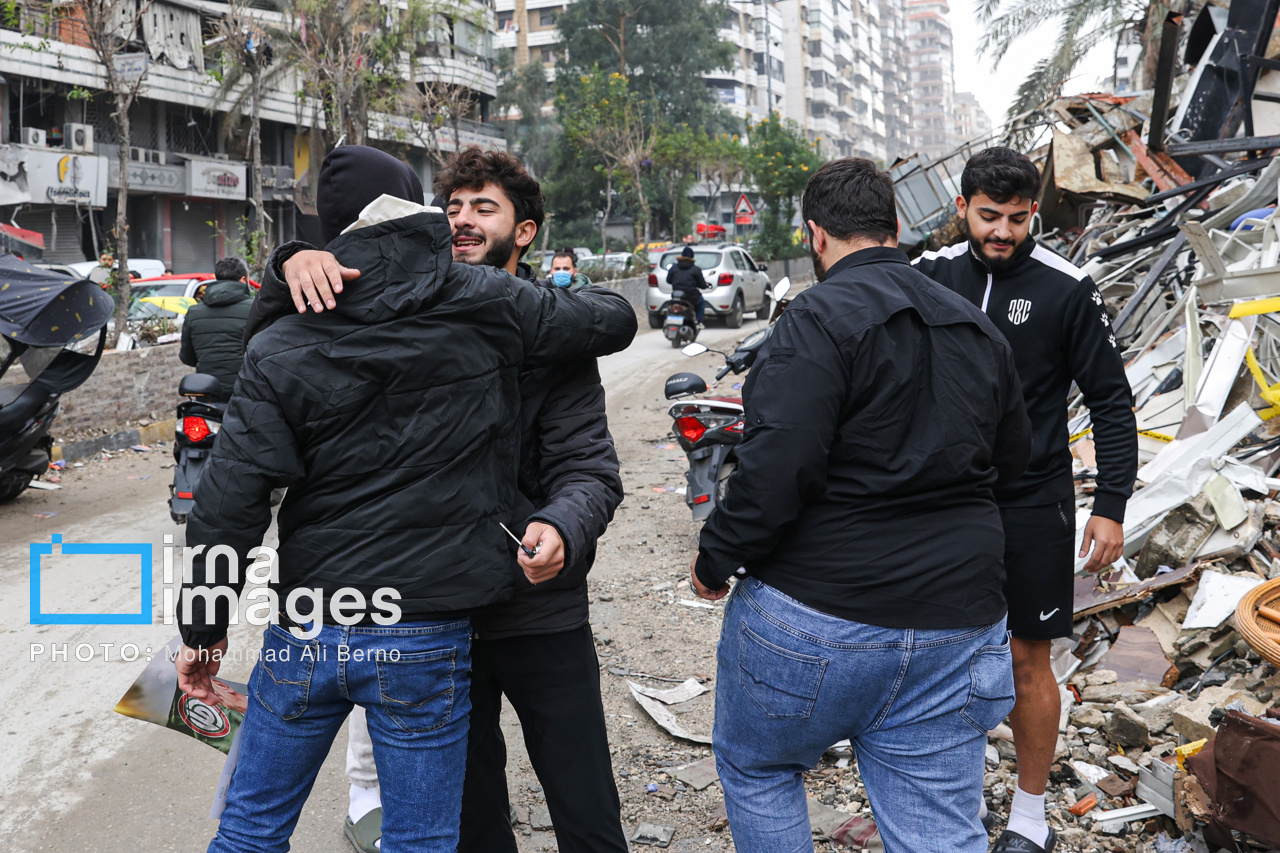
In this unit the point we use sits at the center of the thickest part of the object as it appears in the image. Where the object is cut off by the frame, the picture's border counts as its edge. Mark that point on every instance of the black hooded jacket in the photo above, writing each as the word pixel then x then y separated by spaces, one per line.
pixel 393 420
pixel 1053 317
pixel 686 279
pixel 212 333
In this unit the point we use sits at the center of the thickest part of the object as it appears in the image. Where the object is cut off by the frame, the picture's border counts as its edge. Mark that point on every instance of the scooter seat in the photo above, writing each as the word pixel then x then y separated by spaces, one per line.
pixel 18 405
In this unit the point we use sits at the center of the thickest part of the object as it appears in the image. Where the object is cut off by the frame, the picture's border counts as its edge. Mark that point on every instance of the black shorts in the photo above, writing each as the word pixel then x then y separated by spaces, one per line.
pixel 1039 565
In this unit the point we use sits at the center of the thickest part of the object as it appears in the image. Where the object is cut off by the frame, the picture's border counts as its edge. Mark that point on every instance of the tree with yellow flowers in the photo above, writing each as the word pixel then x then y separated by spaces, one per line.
pixel 780 159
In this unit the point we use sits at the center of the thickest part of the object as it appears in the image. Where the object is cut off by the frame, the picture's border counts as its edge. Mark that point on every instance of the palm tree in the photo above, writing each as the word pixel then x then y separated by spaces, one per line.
pixel 1082 25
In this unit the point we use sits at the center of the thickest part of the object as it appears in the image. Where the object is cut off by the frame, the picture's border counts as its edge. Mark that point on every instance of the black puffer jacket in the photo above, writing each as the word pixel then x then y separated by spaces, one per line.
pixel 686 278
pixel 213 330
pixel 393 419
pixel 568 479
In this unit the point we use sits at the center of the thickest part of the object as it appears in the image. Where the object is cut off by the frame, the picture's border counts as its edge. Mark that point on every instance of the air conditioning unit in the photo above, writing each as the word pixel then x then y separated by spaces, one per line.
pixel 34 137
pixel 78 137
pixel 146 155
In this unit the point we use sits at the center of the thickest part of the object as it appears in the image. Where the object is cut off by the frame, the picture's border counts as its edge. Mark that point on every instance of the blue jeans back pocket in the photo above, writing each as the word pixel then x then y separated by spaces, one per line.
pixel 990 687
pixel 782 683
pixel 282 678
pixel 417 689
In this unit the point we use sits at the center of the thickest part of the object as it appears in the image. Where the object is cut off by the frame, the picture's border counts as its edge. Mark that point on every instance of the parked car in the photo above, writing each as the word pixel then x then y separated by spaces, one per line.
pixel 737 284
pixel 168 296
pixel 144 267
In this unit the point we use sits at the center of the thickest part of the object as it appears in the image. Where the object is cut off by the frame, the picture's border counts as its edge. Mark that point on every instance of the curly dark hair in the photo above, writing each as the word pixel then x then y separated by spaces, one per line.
pixel 473 167
pixel 1000 174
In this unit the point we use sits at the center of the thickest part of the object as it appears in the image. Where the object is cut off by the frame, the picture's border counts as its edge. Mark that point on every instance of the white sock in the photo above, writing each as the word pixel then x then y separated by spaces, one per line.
pixel 363 800
pixel 982 808
pixel 1026 817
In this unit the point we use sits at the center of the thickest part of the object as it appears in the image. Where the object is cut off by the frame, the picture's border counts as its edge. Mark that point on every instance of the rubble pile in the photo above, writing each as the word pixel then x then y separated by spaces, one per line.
pixel 1170 726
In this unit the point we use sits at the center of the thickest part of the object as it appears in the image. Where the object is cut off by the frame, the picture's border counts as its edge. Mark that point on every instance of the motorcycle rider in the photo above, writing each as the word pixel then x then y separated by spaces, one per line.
pixel 535 648
pixel 687 281
pixel 213 331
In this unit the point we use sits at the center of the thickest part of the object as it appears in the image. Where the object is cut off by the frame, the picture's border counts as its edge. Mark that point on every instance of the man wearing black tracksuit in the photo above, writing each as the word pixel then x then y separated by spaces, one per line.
pixel 1054 319
pixel 536 648
pixel 213 331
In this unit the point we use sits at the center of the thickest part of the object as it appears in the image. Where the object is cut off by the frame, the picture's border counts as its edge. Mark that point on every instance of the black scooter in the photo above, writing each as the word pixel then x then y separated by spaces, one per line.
pixel 709 429
pixel 680 323
pixel 199 419
pixel 42 313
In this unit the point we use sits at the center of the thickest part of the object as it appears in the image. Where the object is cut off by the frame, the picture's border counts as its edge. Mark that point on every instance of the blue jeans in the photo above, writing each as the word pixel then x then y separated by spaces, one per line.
pixel 416 707
pixel 916 704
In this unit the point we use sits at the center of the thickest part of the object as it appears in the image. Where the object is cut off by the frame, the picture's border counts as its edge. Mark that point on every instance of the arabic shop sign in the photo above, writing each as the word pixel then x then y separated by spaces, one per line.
pixel 56 177
pixel 216 179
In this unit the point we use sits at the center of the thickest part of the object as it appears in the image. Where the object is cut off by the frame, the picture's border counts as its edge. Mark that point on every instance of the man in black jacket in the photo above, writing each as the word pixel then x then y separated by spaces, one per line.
pixel 687 281
pixel 393 420
pixel 536 647
pixel 1053 317
pixel 213 331
pixel 879 420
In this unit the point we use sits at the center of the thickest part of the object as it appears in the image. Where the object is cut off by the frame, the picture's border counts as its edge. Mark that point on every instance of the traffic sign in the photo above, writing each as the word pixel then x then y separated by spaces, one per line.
pixel 743 219
pixel 744 206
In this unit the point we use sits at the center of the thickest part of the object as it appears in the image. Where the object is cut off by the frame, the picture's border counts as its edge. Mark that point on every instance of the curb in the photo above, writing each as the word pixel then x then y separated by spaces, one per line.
pixel 149 434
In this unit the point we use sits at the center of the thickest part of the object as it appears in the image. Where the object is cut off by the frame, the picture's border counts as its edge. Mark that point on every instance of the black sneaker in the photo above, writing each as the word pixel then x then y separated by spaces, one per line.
pixel 1012 842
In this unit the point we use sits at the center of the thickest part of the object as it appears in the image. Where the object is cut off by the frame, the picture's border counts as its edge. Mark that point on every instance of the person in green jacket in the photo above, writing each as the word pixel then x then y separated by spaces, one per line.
pixel 564 271
pixel 213 332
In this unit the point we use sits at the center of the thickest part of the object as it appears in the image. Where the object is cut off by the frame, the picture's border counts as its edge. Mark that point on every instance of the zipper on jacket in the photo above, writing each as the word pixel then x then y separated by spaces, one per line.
pixel 986 297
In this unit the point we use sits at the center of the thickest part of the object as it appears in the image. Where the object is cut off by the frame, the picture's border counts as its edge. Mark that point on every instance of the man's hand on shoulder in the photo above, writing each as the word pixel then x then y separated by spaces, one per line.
pixel 1107 538
pixel 314 276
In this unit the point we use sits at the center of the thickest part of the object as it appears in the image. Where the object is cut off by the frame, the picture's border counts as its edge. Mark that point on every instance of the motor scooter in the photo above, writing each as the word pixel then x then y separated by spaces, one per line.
pixel 709 429
pixel 48 323
pixel 199 420
pixel 680 323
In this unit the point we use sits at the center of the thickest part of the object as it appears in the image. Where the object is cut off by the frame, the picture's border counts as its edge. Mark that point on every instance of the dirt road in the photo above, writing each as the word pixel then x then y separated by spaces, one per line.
pixel 77 777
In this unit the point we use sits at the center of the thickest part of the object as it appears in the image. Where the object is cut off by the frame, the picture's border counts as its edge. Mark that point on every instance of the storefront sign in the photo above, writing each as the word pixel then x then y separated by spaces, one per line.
pixel 151 178
pixel 216 179
pixel 58 177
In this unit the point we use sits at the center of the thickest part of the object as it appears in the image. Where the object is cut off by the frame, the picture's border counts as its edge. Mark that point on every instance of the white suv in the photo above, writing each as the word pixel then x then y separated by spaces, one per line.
pixel 735 284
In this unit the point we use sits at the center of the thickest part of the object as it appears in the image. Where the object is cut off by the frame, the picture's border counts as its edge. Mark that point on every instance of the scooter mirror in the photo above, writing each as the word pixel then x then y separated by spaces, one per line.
pixel 693 349
pixel 780 289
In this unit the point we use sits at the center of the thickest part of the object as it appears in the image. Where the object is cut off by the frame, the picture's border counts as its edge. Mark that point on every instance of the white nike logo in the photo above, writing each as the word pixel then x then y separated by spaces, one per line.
pixel 1045 616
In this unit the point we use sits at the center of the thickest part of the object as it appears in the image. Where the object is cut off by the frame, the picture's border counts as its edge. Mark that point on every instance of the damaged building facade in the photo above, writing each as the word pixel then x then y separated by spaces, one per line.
pixel 188 175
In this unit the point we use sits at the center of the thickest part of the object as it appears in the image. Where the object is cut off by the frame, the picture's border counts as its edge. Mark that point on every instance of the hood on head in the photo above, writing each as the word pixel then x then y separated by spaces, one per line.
pixel 354 176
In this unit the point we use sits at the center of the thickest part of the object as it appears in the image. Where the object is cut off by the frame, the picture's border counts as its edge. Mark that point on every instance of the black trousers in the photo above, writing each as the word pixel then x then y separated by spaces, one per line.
pixel 553 682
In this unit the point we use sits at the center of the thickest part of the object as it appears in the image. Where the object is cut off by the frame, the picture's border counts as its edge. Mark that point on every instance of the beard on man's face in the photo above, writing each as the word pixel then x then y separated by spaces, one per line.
pixel 819 270
pixel 996 263
pixel 499 251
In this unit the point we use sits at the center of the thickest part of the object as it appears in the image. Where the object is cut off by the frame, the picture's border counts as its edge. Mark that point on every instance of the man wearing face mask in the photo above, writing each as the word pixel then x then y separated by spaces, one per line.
pixel 535 648
pixel 1053 317
pixel 687 281
pixel 564 271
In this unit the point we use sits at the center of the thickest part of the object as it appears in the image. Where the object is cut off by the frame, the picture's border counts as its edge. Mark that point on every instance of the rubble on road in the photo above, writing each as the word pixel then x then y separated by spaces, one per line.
pixel 1173 665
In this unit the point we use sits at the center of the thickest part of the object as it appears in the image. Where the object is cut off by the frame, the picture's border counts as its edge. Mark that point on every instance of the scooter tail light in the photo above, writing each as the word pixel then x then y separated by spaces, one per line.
pixel 195 428
pixel 725 278
pixel 701 499
pixel 186 495
pixel 691 428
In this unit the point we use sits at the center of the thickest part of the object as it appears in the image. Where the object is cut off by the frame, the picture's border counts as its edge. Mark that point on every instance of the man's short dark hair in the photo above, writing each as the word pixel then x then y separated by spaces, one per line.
pixel 230 269
pixel 1000 174
pixel 852 198
pixel 563 253
pixel 473 167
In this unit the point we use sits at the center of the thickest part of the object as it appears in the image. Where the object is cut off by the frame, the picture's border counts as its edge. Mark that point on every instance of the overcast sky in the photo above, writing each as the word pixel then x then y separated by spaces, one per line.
pixel 996 88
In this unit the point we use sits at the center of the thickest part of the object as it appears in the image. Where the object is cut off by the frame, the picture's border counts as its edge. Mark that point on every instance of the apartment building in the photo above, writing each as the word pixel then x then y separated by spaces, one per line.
pixel 972 121
pixel 933 108
pixel 189 182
